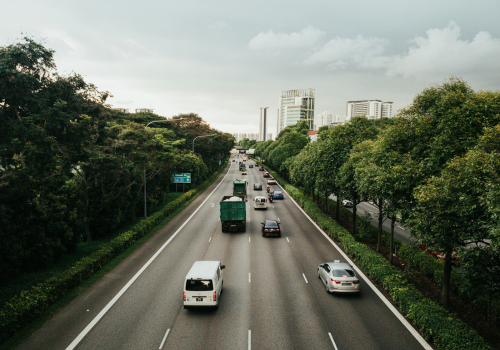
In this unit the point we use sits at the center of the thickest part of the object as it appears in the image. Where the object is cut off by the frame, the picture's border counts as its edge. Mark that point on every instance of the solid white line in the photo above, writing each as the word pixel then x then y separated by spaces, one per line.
pixel 333 342
pixel 209 239
pixel 91 325
pixel 287 240
pixel 249 339
pixel 249 277
pixel 305 278
pixel 400 317
pixel 164 338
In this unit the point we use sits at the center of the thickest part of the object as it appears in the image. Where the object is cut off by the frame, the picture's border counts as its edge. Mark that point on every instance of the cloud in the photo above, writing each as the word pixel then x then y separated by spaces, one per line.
pixel 307 37
pixel 442 53
pixel 340 52
pixel 439 54
pixel 218 25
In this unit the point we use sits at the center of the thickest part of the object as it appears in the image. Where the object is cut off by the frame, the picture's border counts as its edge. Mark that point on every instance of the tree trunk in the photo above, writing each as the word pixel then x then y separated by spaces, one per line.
pixel 337 211
pixel 445 295
pixel 391 248
pixel 354 210
pixel 326 202
pixel 379 238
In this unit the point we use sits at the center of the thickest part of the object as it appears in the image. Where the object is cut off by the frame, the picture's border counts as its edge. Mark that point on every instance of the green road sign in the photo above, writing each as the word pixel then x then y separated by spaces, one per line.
pixel 182 178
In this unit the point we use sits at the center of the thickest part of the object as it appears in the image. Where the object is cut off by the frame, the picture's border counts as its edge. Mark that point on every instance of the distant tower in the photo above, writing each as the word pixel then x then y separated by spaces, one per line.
pixel 262 123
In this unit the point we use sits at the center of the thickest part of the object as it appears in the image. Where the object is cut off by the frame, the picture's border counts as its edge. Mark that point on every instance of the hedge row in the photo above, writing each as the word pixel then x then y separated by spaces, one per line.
pixel 436 324
pixel 29 304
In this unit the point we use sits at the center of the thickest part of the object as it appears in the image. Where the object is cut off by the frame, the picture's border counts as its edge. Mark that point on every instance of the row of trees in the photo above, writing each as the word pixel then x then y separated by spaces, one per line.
pixel 71 169
pixel 435 166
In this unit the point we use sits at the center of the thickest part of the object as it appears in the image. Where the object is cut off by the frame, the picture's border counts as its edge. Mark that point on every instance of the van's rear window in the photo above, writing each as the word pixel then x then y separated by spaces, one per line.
pixel 199 285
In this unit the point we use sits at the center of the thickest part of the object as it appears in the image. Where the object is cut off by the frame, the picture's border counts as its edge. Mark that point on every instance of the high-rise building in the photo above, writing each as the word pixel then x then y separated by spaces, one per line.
pixel 269 136
pixel 295 106
pixel 262 123
pixel 373 109
pixel 325 118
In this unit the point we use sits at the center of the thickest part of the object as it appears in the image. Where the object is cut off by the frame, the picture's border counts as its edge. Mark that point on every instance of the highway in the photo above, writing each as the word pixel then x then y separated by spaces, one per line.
pixel 272 298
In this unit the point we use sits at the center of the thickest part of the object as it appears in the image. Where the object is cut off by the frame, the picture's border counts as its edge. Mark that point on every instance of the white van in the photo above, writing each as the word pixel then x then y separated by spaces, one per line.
pixel 260 202
pixel 203 284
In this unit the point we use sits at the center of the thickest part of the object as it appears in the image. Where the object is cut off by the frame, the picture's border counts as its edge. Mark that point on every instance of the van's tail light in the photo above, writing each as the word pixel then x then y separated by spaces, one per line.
pixel 277 229
pixel 184 296
pixel 355 282
pixel 215 296
pixel 265 230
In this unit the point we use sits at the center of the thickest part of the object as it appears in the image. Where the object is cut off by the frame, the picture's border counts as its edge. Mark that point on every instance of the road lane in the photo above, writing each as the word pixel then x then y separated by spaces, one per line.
pixel 265 294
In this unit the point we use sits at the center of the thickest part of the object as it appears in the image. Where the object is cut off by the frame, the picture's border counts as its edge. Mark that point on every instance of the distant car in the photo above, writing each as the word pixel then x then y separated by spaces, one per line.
pixel 271 182
pixel 244 172
pixel 257 186
pixel 271 228
pixel 261 169
pixel 277 194
pixel 347 203
pixel 256 164
pixel 338 277
pixel 250 166
pixel 266 174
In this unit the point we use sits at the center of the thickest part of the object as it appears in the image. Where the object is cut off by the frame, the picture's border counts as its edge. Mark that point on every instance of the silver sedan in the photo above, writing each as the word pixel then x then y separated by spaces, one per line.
pixel 338 277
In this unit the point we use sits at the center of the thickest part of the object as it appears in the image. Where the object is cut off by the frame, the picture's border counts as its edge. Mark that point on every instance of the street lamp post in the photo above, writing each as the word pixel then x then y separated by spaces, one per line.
pixel 200 136
pixel 155 121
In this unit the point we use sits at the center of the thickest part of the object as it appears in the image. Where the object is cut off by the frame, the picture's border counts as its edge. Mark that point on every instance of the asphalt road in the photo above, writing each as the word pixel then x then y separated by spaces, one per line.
pixel 272 298
pixel 369 211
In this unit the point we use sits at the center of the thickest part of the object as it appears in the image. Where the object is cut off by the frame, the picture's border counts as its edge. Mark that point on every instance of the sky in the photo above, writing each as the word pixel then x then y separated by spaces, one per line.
pixel 225 59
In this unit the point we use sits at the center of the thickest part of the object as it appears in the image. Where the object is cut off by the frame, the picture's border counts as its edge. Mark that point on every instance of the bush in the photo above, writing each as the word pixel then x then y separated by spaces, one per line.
pixel 28 305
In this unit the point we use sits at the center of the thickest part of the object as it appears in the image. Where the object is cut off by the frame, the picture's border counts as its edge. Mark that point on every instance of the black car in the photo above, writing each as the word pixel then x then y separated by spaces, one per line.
pixel 257 186
pixel 271 228
pixel 261 169
pixel 250 166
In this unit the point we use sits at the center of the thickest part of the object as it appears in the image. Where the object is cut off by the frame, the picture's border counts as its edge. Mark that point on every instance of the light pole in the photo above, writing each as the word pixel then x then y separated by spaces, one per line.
pixel 200 136
pixel 155 121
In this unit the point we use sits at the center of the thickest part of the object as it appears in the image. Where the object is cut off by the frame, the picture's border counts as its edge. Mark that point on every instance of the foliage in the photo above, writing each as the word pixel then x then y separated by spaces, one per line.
pixel 29 304
pixel 71 168
pixel 436 324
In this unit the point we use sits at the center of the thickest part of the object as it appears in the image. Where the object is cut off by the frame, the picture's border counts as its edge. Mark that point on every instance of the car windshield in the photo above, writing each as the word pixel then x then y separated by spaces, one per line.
pixel 258 184
pixel 271 224
pixel 199 285
pixel 343 273
pixel 277 192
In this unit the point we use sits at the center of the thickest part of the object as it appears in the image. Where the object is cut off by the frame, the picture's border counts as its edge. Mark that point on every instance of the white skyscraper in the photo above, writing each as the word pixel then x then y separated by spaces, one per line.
pixel 295 106
pixel 263 124
pixel 373 109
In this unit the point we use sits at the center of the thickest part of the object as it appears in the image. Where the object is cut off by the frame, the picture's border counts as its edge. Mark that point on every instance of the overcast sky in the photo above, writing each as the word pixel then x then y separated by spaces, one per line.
pixel 224 59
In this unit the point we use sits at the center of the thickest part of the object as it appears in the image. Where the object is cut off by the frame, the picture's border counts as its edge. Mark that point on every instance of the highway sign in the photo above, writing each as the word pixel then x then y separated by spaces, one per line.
pixel 182 178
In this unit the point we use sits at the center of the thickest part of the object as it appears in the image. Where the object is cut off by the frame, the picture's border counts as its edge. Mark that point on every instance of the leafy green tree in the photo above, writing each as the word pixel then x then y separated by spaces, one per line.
pixel 46 121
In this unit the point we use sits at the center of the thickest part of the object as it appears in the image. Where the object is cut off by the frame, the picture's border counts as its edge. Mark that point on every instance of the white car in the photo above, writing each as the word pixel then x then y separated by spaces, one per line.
pixel 271 182
pixel 347 203
pixel 338 277
pixel 260 202
pixel 203 285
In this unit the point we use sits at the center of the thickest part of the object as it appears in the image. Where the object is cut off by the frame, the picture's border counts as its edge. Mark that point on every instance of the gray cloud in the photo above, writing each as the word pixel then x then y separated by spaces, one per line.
pixel 307 37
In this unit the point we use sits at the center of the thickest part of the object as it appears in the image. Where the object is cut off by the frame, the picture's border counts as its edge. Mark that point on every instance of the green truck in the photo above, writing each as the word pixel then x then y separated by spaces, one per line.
pixel 233 214
pixel 240 187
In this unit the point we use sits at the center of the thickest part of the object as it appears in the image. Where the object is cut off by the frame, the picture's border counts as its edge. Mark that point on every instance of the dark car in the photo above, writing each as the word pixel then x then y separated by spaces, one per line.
pixel 257 186
pixel 266 174
pixel 271 228
pixel 256 164
pixel 261 169
pixel 250 166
